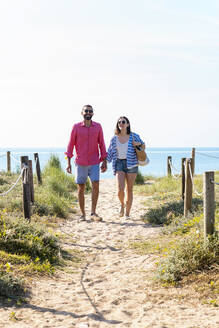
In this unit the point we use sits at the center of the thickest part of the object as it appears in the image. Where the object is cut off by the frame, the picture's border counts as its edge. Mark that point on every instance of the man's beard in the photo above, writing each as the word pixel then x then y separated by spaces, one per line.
pixel 87 117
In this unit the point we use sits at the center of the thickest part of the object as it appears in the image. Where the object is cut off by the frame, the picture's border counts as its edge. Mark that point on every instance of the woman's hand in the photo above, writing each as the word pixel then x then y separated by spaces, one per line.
pixel 135 143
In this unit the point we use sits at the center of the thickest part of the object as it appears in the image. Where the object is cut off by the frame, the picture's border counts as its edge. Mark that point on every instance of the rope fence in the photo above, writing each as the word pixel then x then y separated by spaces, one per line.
pixel 188 188
pixel 14 185
pixel 216 183
pixel 175 176
pixel 207 155
pixel 193 185
pixel 26 175
pixel 15 159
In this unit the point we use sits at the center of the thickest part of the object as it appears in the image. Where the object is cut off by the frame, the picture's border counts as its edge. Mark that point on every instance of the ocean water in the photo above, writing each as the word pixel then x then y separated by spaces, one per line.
pixel 206 159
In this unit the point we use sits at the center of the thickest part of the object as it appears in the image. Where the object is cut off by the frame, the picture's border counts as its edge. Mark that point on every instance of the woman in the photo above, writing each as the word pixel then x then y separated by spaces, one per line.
pixel 122 154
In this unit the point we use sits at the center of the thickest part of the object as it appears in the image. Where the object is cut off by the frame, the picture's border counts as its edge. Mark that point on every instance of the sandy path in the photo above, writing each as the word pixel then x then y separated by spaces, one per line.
pixel 113 288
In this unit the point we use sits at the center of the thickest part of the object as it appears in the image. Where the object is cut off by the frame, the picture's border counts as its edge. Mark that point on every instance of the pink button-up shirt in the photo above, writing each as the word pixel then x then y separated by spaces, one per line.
pixel 88 142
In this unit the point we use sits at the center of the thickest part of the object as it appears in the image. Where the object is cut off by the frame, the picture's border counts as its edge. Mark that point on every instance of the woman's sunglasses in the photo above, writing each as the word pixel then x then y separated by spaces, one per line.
pixel 122 122
pixel 88 111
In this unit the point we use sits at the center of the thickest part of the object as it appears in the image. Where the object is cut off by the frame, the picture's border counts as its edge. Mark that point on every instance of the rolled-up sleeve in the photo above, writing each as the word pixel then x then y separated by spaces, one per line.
pixel 102 146
pixel 71 144
pixel 110 152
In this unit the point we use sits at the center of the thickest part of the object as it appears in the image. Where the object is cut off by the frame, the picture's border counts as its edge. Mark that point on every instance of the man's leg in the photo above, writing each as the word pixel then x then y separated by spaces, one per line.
pixel 81 188
pixel 94 197
pixel 81 173
pixel 94 175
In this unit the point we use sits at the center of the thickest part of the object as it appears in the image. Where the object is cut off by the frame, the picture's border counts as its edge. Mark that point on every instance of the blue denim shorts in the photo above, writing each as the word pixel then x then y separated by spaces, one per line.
pixel 82 172
pixel 121 165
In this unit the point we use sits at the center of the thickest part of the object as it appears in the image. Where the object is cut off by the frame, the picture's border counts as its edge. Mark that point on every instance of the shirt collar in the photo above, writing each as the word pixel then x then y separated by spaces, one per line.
pixel 92 123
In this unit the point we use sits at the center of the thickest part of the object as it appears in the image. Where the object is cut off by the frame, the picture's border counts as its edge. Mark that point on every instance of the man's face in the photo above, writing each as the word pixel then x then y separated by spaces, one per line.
pixel 87 113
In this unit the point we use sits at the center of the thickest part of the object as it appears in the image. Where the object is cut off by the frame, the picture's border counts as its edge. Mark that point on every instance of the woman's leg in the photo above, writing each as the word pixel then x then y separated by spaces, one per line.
pixel 121 189
pixel 130 178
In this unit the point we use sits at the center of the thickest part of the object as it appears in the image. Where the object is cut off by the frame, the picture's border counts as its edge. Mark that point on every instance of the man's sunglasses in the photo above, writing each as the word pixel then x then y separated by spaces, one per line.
pixel 88 111
pixel 122 122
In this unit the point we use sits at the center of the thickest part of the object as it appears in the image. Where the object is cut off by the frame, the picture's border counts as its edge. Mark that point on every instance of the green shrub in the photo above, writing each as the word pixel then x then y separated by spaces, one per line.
pixel 182 224
pixel 54 162
pixel 18 236
pixel 3 181
pixel 139 179
pixel 55 196
pixel 10 286
pixel 167 212
pixel 192 254
pixel 50 203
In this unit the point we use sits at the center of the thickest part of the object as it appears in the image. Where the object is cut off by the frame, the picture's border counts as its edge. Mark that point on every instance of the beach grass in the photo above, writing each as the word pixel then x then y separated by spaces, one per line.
pixel 182 252
pixel 33 248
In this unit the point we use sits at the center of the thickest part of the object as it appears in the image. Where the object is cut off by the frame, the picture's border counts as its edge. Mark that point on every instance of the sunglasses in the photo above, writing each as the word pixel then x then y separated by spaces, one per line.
pixel 88 111
pixel 122 122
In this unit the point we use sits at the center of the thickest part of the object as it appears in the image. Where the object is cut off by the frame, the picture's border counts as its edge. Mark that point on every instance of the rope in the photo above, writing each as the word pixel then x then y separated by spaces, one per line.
pixel 190 171
pixel 12 187
pixel 14 158
pixel 216 183
pixel 197 152
pixel 174 175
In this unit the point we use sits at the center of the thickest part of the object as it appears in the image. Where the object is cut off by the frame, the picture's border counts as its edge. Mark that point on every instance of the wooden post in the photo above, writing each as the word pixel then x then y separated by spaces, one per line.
pixel 38 171
pixel 193 161
pixel 31 181
pixel 183 176
pixel 169 162
pixel 8 161
pixel 188 189
pixel 209 203
pixel 26 187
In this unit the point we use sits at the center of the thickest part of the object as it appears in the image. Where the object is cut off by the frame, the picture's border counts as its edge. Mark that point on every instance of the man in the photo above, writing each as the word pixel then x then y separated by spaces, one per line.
pixel 87 138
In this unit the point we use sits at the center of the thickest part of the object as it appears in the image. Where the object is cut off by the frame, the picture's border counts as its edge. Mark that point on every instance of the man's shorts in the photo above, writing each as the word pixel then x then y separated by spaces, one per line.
pixel 82 172
pixel 121 165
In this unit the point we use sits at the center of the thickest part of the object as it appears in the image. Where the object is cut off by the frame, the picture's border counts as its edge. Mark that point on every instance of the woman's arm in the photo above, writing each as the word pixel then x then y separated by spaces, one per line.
pixel 110 152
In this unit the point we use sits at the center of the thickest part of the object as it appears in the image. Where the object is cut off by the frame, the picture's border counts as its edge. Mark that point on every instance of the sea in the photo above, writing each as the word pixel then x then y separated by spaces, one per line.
pixel 206 159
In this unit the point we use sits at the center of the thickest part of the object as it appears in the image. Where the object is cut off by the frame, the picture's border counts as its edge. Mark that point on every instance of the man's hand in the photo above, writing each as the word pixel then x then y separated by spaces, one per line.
pixel 68 168
pixel 103 167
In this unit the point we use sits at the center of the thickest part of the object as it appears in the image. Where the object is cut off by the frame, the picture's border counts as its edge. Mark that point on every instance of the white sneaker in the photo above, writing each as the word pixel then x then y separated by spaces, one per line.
pixel 82 218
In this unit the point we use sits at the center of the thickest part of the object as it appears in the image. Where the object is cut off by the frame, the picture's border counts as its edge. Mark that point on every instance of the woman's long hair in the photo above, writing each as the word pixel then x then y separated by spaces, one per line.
pixel 117 129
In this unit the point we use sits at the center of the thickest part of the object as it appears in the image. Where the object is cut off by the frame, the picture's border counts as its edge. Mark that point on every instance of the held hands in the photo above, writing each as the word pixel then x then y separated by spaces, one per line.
pixel 103 167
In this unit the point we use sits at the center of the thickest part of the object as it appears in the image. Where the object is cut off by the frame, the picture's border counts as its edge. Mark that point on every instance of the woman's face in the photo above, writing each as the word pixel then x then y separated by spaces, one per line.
pixel 122 123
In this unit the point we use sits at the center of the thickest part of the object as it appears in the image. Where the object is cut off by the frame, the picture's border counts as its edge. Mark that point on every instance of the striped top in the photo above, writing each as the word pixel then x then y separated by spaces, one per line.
pixel 132 160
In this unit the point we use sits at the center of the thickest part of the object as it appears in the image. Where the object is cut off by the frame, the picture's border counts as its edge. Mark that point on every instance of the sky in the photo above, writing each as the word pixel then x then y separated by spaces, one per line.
pixel 154 61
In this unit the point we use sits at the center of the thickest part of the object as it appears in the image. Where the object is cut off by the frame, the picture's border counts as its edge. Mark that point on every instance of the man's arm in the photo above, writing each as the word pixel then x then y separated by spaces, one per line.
pixel 68 168
pixel 69 152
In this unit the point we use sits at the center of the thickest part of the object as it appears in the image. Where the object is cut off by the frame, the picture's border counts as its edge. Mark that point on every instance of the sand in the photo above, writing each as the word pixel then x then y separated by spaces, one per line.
pixel 114 287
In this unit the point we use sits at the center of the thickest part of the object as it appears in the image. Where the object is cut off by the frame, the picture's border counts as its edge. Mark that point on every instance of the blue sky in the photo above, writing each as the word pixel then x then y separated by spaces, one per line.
pixel 156 62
